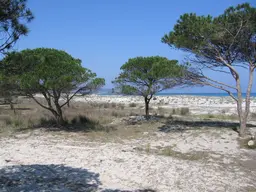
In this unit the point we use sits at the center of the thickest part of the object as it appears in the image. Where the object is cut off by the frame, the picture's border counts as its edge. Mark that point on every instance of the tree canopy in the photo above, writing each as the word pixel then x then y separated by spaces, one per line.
pixel 147 76
pixel 50 72
pixel 14 15
pixel 229 37
pixel 222 44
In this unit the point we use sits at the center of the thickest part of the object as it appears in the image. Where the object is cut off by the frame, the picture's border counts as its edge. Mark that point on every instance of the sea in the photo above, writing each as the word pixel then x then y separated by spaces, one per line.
pixel 106 92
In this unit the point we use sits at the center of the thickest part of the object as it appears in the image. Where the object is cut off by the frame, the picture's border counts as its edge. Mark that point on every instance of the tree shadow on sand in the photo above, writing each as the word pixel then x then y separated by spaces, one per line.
pixel 54 178
pixel 183 125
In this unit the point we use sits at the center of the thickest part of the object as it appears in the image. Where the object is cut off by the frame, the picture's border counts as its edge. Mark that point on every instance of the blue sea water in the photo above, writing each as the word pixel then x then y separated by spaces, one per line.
pixel 223 94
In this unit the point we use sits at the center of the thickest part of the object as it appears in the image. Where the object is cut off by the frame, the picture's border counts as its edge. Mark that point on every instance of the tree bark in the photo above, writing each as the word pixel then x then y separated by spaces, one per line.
pixel 146 107
pixel 243 114
pixel 59 118
pixel 244 118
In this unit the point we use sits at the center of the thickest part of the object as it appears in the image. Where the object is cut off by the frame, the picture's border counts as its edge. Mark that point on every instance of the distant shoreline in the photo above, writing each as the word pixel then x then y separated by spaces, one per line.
pixel 183 94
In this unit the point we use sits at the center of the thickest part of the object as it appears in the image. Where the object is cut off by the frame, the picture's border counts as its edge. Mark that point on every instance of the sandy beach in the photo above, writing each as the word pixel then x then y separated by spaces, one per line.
pixel 196 104
pixel 186 153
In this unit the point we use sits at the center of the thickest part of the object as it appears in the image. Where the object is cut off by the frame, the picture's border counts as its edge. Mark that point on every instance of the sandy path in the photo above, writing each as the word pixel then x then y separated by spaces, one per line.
pixel 119 166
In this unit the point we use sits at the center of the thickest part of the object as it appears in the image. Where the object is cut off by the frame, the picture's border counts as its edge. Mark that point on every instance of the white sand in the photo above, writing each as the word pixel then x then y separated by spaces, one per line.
pixel 199 160
pixel 122 167
pixel 197 104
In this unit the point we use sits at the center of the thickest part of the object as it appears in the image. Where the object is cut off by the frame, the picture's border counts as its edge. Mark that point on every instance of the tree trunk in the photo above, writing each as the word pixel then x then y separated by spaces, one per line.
pixel 240 113
pixel 60 119
pixel 146 107
pixel 244 118
pixel 243 114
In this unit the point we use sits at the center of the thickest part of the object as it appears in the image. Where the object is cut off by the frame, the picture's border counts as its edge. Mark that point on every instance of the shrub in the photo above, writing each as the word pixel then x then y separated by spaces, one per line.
pixel 113 105
pixel 8 121
pixel 47 122
pixel 132 105
pixel 121 106
pixel 184 111
pixel 105 105
pixel 17 122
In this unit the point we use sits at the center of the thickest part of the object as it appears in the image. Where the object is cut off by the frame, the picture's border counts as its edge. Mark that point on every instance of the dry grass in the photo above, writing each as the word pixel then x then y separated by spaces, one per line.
pixel 217 116
pixel 169 151
pixel 103 118
pixel 183 111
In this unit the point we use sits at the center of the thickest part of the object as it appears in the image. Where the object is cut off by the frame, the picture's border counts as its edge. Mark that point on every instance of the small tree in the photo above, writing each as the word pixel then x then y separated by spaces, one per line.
pixel 147 76
pixel 14 15
pixel 51 72
pixel 222 44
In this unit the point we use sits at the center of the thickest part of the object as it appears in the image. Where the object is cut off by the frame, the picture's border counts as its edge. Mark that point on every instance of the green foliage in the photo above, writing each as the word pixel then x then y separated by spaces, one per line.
pixel 148 75
pixel 14 15
pixel 50 72
pixel 229 37
pixel 8 88
pixel 222 44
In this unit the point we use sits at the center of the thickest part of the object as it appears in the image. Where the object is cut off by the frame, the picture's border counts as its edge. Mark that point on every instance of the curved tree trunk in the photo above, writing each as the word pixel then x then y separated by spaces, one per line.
pixel 59 118
pixel 243 114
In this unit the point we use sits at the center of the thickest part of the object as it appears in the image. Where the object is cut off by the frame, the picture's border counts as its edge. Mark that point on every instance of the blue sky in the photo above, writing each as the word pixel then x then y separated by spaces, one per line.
pixel 105 33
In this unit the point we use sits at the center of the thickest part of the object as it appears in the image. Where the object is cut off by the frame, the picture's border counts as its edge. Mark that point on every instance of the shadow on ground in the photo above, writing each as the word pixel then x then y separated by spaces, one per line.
pixel 183 125
pixel 52 178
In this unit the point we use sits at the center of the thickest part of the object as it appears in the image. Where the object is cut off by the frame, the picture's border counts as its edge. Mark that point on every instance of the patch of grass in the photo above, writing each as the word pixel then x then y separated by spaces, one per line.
pixel 180 111
pixel 217 116
pixel 106 105
pixel 132 105
pixel 121 106
pixel 83 123
pixel 147 148
pixel 192 156
pixel 113 105
pixel 47 122
pixel 7 120
pixel 115 113
pixel 184 111
pixel 168 151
